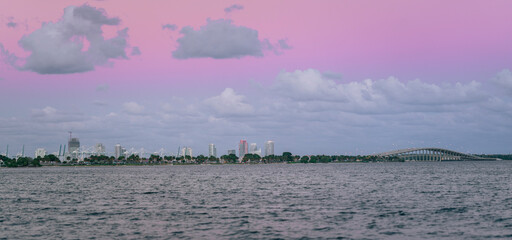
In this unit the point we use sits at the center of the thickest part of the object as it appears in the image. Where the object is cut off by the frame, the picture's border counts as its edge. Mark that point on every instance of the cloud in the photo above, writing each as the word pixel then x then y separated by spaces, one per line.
pixel 504 80
pixel 100 103
pixel 52 115
pixel 7 57
pixel 313 91
pixel 58 48
pixel 171 27
pixel 283 44
pixel 12 24
pixel 102 87
pixel 133 108
pixel 218 39
pixel 233 7
pixel 135 51
pixel 331 75
pixel 229 103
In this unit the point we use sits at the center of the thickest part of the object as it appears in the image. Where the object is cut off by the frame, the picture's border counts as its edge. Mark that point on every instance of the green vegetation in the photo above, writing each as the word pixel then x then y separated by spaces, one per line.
pixel 286 157
pixel 20 162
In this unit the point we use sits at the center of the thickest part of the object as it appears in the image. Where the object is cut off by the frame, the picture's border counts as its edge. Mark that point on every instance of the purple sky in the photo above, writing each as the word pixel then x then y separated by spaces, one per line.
pixel 324 77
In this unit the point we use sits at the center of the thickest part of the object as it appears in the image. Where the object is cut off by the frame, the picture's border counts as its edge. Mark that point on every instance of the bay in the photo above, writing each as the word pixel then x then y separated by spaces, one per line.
pixel 411 200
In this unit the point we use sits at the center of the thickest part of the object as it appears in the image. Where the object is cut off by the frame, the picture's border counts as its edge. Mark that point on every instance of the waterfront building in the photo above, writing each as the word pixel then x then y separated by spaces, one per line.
pixel 242 148
pixel 269 148
pixel 253 149
pixel 212 151
pixel 186 151
pixel 73 145
pixel 119 151
pixel 40 152
pixel 233 151
pixel 99 149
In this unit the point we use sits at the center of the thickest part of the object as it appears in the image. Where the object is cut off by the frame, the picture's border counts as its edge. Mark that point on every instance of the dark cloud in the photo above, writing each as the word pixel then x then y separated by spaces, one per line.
pixel 8 57
pixel 218 39
pixel 331 75
pixel 171 27
pixel 233 7
pixel 135 51
pixel 57 48
pixel 12 24
pixel 283 44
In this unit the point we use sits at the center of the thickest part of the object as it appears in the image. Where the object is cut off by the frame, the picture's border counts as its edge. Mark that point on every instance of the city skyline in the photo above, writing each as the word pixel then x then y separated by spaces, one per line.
pixel 329 77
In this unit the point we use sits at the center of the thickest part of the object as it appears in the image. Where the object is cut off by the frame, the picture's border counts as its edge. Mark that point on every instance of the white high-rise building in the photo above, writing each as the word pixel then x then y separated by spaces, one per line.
pixel 269 148
pixel 99 149
pixel 119 151
pixel 186 151
pixel 212 151
pixel 40 152
pixel 253 149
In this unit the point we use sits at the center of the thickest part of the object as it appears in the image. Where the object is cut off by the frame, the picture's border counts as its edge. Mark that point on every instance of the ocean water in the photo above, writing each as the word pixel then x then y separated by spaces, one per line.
pixel 413 200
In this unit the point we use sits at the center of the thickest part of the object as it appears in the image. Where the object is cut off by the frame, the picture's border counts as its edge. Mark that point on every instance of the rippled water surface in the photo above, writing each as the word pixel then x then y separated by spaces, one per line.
pixel 455 200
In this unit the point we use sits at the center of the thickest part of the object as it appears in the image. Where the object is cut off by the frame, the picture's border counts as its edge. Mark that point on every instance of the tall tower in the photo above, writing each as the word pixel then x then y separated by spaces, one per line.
pixel 73 144
pixel 253 148
pixel 118 151
pixel 242 148
pixel 212 151
pixel 269 148
pixel 99 149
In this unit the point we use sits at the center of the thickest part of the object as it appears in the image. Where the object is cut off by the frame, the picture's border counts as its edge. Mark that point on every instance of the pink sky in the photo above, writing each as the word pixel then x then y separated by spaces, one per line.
pixel 437 42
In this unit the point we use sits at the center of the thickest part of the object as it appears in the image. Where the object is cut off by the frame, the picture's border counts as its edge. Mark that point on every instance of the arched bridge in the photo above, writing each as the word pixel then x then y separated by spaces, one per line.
pixel 431 154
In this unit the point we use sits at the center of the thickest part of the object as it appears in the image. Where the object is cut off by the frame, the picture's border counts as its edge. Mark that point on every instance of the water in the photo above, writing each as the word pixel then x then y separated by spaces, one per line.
pixel 452 200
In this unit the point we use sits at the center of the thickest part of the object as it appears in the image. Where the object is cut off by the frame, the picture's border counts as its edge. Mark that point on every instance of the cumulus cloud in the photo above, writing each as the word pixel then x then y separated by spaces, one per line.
pixel 58 48
pixel 233 7
pixel 135 51
pixel 171 27
pixel 218 39
pixel 230 103
pixel 133 108
pixel 52 115
pixel 314 91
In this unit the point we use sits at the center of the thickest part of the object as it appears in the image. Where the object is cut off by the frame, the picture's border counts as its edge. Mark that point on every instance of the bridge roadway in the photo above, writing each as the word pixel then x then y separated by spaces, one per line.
pixel 431 154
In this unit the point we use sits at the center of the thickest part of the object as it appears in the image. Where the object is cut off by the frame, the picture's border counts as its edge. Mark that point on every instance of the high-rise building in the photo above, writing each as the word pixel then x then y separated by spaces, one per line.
pixel 119 151
pixel 253 149
pixel 242 148
pixel 40 152
pixel 269 148
pixel 99 149
pixel 212 151
pixel 232 152
pixel 186 151
pixel 73 145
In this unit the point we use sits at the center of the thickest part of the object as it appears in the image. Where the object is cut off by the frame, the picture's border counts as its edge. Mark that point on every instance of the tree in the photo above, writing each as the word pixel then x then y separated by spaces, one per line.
pixel 304 159
pixel 287 157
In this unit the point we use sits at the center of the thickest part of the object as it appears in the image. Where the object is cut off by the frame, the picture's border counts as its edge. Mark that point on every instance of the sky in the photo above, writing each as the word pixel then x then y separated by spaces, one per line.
pixel 316 77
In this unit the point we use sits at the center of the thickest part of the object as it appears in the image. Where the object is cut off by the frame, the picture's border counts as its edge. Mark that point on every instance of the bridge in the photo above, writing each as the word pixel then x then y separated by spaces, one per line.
pixel 432 154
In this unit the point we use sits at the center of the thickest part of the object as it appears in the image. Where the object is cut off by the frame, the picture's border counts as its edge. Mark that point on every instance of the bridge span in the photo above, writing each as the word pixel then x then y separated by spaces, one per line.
pixel 432 154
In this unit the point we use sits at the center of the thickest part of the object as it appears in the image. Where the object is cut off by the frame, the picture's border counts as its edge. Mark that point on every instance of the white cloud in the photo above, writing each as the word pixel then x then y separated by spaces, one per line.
pixel 133 108
pixel 313 90
pixel 229 103
pixel 504 79
pixel 58 48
